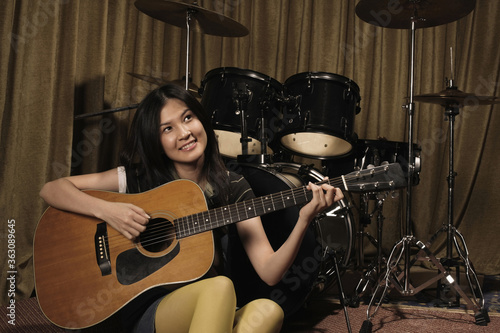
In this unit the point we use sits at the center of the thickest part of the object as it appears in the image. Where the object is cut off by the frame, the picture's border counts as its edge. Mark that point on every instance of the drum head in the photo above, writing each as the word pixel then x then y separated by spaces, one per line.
pixel 316 145
pixel 230 146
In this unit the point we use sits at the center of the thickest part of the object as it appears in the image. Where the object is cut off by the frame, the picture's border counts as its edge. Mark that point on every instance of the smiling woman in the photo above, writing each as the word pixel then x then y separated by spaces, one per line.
pixel 170 139
pixel 167 123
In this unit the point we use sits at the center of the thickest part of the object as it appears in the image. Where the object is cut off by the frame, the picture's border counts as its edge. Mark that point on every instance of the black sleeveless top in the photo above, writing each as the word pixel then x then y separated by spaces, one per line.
pixel 138 316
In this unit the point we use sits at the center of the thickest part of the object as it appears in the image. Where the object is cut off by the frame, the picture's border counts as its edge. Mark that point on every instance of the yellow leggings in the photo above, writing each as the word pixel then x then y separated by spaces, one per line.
pixel 209 306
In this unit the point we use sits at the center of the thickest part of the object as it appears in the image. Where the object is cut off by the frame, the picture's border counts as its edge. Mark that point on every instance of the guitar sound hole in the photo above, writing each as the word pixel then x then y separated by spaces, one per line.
pixel 158 236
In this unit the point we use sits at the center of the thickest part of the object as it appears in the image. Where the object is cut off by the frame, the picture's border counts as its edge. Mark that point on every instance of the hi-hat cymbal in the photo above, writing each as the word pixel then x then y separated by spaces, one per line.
pixel 399 14
pixel 455 97
pixel 203 20
pixel 159 81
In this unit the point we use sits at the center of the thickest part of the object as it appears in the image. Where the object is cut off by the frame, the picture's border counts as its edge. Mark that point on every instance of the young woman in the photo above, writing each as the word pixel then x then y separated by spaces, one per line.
pixel 172 138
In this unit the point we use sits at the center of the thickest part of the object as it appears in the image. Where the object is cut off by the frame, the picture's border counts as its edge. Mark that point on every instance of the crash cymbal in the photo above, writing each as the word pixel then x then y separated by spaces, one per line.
pixel 193 88
pixel 452 96
pixel 158 81
pixel 399 14
pixel 203 20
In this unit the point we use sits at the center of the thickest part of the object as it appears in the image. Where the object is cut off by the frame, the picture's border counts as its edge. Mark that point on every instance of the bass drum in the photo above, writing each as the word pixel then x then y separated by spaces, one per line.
pixel 313 270
pixel 225 91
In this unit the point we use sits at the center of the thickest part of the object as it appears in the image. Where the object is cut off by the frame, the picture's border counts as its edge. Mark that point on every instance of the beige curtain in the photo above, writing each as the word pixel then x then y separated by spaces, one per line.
pixel 60 59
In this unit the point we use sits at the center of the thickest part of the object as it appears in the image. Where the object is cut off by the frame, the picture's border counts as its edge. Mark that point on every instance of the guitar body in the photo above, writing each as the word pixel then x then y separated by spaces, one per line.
pixel 85 271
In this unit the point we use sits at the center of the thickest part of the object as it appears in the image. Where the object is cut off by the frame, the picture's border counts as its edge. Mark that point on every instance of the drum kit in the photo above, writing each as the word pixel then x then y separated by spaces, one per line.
pixel 262 123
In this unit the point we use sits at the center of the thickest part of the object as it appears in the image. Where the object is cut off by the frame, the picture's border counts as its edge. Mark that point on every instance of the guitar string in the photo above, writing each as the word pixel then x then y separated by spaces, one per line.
pixel 213 213
pixel 182 220
pixel 158 231
pixel 240 210
pixel 169 230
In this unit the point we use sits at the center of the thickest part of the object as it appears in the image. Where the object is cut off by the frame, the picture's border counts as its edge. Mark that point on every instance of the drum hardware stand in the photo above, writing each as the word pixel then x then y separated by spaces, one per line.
pixel 332 253
pixel 189 12
pixel 342 297
pixel 103 112
pixel 241 96
pixel 265 107
pixel 373 272
pixel 451 111
pixel 394 275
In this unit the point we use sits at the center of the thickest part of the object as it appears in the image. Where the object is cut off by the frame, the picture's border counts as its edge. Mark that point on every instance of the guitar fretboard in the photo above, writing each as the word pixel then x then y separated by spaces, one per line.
pixel 375 179
pixel 218 217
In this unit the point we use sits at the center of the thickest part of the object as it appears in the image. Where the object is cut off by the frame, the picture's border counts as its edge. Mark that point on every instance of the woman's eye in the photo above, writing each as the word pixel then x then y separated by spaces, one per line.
pixel 188 117
pixel 167 129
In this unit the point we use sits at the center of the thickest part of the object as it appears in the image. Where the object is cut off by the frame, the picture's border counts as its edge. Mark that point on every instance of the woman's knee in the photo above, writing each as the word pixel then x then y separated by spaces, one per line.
pixel 260 315
pixel 221 283
pixel 270 308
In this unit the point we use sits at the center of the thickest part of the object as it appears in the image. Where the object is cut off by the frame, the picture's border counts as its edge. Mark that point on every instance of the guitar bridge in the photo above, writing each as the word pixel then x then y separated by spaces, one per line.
pixel 102 249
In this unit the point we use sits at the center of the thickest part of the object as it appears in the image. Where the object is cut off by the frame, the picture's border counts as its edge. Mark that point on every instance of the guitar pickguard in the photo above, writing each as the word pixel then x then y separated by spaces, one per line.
pixel 132 266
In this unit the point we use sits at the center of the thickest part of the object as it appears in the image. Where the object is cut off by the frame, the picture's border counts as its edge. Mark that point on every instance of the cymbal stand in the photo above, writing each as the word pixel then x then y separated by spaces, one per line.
pixel 451 111
pixel 395 274
pixel 189 14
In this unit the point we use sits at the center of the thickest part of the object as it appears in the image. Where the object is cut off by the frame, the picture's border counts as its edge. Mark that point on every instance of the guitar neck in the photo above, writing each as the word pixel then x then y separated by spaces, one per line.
pixel 225 215
pixel 387 177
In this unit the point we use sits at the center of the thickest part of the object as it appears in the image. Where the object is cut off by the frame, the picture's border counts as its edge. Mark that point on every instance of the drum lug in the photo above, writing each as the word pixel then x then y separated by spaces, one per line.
pixel 305 121
pixel 223 78
pixel 303 170
pixel 345 123
pixel 348 95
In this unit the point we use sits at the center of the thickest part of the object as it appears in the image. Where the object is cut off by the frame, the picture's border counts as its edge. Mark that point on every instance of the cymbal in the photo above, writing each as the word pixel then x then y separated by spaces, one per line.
pixel 398 15
pixel 191 86
pixel 203 20
pixel 452 96
pixel 159 81
pixel 150 79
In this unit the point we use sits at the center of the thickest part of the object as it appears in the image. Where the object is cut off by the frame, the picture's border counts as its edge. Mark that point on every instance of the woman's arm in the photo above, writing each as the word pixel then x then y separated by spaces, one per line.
pixel 271 265
pixel 66 194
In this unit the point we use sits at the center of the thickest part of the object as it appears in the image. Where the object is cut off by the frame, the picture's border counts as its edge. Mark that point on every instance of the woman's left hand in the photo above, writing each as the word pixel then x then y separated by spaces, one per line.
pixel 323 197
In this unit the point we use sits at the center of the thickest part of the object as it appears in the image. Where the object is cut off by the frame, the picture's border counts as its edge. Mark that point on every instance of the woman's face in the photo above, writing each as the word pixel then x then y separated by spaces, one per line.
pixel 182 134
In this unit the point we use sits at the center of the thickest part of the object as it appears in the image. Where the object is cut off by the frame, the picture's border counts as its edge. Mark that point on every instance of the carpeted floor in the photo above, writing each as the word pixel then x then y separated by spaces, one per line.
pixel 324 314
pixel 319 317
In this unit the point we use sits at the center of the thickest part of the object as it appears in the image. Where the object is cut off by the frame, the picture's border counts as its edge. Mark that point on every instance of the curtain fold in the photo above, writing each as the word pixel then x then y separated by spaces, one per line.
pixel 60 58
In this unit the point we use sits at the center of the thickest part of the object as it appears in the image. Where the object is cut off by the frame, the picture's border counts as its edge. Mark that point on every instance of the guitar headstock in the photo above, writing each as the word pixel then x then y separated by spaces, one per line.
pixel 381 178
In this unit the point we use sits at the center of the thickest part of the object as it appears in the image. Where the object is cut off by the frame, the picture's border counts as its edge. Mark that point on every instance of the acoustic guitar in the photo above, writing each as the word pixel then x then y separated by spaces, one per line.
pixel 85 271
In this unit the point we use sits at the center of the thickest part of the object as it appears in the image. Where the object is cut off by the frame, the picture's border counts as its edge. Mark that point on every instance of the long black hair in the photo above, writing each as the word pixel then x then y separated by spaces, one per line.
pixel 147 164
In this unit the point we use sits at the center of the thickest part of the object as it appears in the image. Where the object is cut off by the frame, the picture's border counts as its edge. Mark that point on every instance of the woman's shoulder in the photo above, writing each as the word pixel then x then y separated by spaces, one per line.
pixel 233 176
pixel 240 188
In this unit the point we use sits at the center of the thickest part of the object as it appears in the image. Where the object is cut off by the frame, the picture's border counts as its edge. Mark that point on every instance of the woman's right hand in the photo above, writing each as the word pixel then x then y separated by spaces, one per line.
pixel 126 218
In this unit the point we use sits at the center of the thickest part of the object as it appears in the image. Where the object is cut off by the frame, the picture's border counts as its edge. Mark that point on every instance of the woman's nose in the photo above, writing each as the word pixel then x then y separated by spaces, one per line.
pixel 185 132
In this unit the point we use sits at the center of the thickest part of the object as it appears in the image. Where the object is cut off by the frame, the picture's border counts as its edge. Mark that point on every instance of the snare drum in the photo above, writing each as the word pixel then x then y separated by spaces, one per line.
pixel 320 124
pixel 313 269
pixel 225 92
pixel 373 153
